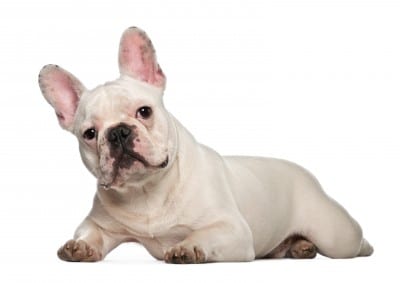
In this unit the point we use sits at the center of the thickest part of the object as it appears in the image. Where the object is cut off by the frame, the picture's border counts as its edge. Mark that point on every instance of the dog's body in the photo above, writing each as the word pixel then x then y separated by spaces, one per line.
pixel 181 200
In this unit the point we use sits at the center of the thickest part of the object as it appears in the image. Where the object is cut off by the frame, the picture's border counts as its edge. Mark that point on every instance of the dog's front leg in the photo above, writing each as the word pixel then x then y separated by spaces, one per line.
pixel 222 241
pixel 91 243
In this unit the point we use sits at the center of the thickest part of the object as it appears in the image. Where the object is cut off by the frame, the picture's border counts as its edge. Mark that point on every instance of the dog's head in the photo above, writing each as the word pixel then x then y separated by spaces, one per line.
pixel 125 133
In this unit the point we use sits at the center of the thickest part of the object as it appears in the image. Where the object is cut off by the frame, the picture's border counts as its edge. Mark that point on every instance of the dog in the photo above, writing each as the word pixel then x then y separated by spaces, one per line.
pixel 180 199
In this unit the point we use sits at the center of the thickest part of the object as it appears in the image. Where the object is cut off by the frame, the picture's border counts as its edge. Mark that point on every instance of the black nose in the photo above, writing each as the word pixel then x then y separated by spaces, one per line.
pixel 119 135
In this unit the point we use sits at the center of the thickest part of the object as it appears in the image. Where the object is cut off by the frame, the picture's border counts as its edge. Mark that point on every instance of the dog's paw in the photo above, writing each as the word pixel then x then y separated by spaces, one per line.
pixel 186 255
pixel 303 249
pixel 78 251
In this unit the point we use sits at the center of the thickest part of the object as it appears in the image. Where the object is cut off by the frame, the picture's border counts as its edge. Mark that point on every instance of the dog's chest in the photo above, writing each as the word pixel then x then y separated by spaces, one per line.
pixel 142 221
pixel 157 234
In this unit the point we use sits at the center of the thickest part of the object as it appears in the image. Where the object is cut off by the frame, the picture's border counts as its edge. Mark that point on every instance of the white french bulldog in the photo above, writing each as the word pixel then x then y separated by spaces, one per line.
pixel 183 201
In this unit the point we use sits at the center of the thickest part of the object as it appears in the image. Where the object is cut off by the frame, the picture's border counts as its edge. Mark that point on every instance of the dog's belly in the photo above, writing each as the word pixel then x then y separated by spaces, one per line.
pixel 268 193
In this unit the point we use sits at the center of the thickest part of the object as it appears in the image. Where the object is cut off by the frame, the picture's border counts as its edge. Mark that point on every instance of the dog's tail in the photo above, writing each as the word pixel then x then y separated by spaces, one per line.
pixel 366 248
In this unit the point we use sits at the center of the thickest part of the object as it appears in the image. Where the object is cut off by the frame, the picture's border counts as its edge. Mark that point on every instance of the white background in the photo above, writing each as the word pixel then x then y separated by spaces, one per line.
pixel 315 82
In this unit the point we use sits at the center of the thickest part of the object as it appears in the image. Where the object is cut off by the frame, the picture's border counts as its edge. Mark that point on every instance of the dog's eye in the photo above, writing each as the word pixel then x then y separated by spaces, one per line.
pixel 90 134
pixel 144 112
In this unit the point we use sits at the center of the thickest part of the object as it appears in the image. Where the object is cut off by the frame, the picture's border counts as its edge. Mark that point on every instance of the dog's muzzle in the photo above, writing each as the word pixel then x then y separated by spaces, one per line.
pixel 121 139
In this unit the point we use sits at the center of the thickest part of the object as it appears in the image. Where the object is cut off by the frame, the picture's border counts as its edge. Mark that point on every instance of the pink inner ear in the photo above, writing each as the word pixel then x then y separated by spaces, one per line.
pixel 137 58
pixel 66 101
pixel 62 90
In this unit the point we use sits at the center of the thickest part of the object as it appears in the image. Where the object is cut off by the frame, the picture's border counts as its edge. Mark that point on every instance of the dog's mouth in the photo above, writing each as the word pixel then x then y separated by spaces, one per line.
pixel 128 157
pixel 137 157
pixel 125 162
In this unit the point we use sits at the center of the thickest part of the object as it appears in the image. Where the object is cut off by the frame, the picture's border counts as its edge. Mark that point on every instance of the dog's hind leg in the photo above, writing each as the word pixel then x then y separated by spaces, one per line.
pixel 330 227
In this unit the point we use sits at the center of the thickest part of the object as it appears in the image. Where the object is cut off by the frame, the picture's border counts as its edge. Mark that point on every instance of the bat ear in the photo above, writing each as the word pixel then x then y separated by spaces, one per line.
pixel 62 90
pixel 137 58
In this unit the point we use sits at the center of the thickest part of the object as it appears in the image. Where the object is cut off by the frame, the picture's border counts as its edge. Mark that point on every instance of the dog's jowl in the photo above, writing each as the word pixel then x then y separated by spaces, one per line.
pixel 183 201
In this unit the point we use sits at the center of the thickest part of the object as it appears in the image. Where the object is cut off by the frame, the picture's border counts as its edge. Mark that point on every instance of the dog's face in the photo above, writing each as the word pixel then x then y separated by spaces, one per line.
pixel 125 133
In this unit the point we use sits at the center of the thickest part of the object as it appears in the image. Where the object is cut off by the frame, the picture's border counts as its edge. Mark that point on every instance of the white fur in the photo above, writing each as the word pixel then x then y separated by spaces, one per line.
pixel 232 208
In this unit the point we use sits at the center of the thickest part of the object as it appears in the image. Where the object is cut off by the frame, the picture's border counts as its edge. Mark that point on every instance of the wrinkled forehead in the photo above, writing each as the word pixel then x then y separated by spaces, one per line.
pixel 118 98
